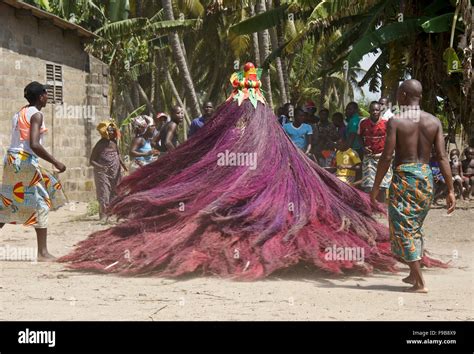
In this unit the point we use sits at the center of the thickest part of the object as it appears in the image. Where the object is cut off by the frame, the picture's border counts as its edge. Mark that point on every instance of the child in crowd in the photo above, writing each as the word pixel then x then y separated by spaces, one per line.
pixel 440 187
pixel 326 135
pixel 456 171
pixel 347 162
pixel 338 121
pixel 468 172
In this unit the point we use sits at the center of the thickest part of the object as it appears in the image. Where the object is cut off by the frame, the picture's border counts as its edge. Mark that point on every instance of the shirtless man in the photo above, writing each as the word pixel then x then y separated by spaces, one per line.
pixel 169 132
pixel 411 134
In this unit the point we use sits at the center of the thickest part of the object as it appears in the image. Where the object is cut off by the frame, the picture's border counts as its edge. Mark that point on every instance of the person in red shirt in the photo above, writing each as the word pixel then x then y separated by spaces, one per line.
pixel 372 131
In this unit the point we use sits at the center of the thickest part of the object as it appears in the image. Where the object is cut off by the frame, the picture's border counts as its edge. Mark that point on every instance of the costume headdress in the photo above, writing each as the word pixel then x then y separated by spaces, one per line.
pixel 235 203
pixel 247 85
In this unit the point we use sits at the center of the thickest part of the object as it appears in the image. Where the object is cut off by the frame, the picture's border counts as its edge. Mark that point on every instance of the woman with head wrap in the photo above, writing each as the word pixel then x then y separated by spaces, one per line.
pixel 141 150
pixel 107 164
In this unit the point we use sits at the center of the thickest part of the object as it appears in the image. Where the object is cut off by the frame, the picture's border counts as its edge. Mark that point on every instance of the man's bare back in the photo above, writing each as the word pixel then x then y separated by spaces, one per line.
pixel 416 134
pixel 412 134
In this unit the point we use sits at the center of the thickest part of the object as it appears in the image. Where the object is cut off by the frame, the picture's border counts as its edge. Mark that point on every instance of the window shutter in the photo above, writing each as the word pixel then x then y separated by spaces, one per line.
pixel 54 78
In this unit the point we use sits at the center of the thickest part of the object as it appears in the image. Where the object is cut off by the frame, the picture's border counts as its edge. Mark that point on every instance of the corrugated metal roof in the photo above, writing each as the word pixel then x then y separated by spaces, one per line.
pixel 57 21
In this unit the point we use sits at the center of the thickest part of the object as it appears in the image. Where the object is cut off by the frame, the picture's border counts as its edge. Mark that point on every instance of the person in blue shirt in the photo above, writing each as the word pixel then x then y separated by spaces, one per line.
pixel 141 149
pixel 299 132
pixel 353 120
pixel 354 140
pixel 198 123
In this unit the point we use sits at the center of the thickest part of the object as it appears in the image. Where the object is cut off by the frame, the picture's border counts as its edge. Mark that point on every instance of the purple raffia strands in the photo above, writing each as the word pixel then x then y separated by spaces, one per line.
pixel 187 213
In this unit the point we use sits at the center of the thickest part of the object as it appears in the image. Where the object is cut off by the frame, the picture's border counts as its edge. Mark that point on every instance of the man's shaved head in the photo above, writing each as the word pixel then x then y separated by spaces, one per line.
pixel 409 92
pixel 412 87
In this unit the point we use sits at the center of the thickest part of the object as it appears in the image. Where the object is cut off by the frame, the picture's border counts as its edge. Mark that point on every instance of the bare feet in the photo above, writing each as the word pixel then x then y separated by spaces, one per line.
pixel 417 289
pixel 45 257
pixel 409 280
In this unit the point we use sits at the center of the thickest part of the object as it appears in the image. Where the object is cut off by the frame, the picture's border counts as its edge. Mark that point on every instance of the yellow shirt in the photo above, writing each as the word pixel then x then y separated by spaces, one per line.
pixel 348 157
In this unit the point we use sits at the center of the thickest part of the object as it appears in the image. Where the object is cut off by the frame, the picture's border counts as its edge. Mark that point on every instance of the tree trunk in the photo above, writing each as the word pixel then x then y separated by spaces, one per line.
pixel 157 74
pixel 323 92
pixel 174 90
pixel 176 96
pixel 135 96
pixel 175 44
pixel 264 48
pixel 128 102
pixel 145 98
pixel 255 48
pixel 284 61
pixel 290 64
pixel 153 84
pixel 467 105
pixel 139 8
pixel 213 87
pixel 278 61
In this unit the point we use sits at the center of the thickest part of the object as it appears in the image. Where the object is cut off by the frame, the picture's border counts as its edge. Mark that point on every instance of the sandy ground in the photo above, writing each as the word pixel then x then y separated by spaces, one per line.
pixel 46 291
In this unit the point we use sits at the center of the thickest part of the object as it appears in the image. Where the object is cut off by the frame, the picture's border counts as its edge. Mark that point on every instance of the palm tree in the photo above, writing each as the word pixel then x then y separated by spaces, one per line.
pixel 264 49
pixel 411 44
pixel 278 62
pixel 177 49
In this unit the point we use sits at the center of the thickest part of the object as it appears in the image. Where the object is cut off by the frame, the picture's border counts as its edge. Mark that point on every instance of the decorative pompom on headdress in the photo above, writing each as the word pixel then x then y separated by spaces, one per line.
pixel 102 128
pixel 247 85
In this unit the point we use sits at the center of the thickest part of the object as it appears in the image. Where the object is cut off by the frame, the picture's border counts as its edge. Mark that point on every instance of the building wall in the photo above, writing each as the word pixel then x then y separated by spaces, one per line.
pixel 26 45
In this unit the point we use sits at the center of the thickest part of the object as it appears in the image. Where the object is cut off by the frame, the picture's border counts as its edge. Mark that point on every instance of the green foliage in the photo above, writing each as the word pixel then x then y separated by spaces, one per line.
pixel 128 119
pixel 118 10
pixel 383 35
pixel 261 22
pixel 319 50
pixel 438 24
pixel 363 108
pixel 92 208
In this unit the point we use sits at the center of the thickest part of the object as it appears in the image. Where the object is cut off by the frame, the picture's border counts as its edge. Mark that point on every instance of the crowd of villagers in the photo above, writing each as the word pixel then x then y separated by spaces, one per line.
pixel 350 146
pixel 346 144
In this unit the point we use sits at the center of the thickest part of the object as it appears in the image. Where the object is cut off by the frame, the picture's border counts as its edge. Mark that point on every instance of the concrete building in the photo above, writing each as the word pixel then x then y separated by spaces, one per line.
pixel 38 46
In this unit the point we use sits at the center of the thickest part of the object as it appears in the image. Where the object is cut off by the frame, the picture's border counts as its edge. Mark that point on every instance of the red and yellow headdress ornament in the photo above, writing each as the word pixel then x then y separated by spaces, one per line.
pixel 247 85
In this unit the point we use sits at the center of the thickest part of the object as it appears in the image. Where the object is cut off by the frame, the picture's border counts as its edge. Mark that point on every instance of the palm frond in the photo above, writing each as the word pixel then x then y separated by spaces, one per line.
pixel 261 21
pixel 438 24
pixel 192 7
pixel 384 35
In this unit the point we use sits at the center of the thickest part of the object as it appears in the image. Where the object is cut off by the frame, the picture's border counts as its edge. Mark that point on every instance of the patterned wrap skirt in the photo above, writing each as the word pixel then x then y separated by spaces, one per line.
pixel 410 197
pixel 28 192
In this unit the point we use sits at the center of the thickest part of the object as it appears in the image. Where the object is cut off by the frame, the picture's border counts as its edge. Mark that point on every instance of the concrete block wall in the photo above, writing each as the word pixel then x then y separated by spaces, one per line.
pixel 26 45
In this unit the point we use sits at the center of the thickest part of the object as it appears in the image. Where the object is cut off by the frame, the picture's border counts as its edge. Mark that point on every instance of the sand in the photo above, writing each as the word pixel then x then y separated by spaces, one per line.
pixel 46 291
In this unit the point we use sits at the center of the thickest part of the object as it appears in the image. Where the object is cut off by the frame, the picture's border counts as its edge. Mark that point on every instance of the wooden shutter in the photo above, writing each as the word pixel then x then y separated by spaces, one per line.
pixel 54 78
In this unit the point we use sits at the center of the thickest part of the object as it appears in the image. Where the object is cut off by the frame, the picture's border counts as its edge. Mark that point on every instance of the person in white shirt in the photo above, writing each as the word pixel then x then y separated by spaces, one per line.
pixel 28 191
pixel 386 111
